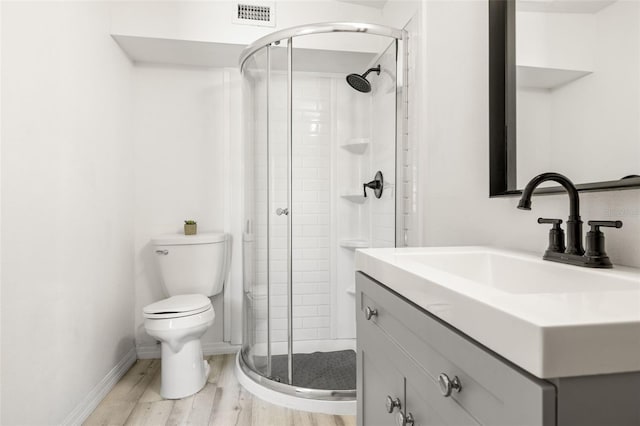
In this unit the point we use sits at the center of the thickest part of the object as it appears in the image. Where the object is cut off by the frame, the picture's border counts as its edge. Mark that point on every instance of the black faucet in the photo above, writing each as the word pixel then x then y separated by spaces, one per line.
pixel 574 253
pixel 574 224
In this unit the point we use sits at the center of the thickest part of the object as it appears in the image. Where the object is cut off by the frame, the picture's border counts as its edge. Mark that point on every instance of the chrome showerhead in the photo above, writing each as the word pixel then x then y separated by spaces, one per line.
pixel 360 82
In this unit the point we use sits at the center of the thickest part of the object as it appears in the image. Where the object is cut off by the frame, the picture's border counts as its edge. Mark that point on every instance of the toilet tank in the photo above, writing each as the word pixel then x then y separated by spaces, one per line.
pixel 192 263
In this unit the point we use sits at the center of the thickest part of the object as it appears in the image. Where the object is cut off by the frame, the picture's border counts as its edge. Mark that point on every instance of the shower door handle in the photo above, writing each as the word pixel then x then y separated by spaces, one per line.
pixel 281 212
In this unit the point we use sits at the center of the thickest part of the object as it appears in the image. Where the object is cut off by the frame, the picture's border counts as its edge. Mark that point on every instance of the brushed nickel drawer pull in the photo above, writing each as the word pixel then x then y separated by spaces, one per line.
pixel 392 404
pixel 403 420
pixel 447 385
pixel 370 312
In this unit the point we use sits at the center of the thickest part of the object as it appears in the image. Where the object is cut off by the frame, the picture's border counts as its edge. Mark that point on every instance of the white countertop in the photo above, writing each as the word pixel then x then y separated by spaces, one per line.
pixel 551 319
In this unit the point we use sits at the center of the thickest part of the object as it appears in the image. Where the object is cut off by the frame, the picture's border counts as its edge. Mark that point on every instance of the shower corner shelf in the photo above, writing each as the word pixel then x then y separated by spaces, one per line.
pixel 354 244
pixel 356 146
pixel 354 198
pixel 546 77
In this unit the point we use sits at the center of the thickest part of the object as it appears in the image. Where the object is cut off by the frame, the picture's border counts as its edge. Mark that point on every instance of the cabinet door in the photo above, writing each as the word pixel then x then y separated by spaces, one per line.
pixel 378 380
pixel 427 406
pixel 421 410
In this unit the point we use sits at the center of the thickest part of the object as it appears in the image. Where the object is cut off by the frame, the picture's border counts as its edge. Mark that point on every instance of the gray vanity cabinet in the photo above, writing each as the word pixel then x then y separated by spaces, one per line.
pixel 408 356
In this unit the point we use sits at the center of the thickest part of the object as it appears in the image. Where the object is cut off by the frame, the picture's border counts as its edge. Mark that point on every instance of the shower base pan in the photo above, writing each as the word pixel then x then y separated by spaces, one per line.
pixel 324 382
pixel 318 370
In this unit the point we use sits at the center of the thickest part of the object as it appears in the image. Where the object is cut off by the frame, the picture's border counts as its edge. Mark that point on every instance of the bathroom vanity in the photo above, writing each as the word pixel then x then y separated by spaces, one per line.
pixel 445 339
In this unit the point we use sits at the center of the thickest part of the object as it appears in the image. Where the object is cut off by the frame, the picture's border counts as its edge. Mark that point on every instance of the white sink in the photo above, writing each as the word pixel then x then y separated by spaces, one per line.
pixel 521 274
pixel 552 320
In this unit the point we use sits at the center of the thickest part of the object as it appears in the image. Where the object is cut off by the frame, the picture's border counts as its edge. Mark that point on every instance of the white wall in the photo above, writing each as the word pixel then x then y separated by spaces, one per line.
pixel 67 217
pixel 212 21
pixel 179 142
pixel 1 121
pixel 455 161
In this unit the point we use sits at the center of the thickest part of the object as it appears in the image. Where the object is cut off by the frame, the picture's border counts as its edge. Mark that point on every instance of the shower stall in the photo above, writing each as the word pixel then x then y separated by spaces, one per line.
pixel 324 133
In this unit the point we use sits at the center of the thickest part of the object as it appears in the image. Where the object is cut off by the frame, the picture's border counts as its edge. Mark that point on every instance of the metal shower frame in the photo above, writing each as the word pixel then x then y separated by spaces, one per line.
pixel 289 34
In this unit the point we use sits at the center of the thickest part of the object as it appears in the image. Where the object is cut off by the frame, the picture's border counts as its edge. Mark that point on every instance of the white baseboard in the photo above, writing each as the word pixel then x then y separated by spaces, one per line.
pixel 93 398
pixel 215 348
pixel 220 348
pixel 148 352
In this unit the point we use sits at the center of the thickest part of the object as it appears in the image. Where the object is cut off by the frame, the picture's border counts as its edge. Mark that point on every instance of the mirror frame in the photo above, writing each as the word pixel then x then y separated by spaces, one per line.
pixel 502 110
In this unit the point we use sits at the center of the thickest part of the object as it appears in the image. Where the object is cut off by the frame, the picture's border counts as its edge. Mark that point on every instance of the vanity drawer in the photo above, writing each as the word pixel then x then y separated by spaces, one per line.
pixel 385 370
pixel 494 392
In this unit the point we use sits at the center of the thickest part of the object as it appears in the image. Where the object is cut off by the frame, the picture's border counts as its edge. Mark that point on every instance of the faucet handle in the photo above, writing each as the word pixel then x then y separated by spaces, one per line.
pixel 595 240
pixel 556 222
pixel 556 235
pixel 596 224
pixel 377 184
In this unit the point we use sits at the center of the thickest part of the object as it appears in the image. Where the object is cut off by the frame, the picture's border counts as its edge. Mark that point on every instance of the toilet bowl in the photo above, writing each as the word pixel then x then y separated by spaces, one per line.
pixel 187 264
pixel 178 323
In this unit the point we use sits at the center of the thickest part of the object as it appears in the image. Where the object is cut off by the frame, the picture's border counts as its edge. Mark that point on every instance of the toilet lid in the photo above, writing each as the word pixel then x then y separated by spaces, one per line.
pixel 177 306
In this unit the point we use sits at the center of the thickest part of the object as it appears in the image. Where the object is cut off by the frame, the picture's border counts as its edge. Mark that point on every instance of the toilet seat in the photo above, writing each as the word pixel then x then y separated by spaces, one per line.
pixel 183 305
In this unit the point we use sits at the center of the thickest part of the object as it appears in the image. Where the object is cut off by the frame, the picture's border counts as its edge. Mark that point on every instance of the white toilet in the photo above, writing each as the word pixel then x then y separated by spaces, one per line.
pixel 192 268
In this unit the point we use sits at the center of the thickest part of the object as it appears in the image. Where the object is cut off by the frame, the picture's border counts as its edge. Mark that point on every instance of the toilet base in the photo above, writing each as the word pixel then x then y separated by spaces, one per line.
pixel 183 373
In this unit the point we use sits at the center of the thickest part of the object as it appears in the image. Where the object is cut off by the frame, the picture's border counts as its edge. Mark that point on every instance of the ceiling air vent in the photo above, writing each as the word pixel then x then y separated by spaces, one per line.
pixel 255 13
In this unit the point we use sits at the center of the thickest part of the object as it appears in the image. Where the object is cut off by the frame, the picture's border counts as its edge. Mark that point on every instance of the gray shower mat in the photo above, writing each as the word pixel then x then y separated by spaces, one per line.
pixel 334 370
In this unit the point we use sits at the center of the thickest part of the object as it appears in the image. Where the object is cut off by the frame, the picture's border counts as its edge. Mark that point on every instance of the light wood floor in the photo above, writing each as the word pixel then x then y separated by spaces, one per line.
pixel 136 400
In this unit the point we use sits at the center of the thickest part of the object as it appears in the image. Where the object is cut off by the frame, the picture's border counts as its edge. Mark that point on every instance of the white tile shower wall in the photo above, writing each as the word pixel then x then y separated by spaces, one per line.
pixel 353 124
pixel 310 211
pixel 327 113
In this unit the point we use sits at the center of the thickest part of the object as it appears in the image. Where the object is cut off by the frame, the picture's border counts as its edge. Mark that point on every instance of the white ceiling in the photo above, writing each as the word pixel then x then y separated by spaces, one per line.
pixel 179 52
pixel 222 55
pixel 563 6
pixel 378 4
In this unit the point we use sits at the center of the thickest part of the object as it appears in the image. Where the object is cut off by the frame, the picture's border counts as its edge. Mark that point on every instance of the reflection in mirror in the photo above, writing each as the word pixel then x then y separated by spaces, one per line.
pixel 577 89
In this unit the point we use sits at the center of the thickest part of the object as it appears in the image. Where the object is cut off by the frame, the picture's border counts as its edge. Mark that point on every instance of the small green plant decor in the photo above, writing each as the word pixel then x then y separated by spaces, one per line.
pixel 190 227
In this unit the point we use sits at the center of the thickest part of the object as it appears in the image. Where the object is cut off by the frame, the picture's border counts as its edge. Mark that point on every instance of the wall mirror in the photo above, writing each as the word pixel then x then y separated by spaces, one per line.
pixel 564 93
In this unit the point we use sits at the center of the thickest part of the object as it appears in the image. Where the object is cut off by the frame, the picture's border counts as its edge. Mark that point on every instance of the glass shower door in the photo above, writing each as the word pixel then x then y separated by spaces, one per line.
pixel 255 347
pixel 267 237
pixel 280 212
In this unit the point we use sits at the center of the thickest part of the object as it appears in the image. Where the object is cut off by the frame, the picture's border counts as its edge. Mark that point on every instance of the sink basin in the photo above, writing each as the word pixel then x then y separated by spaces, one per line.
pixel 513 273
pixel 551 319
